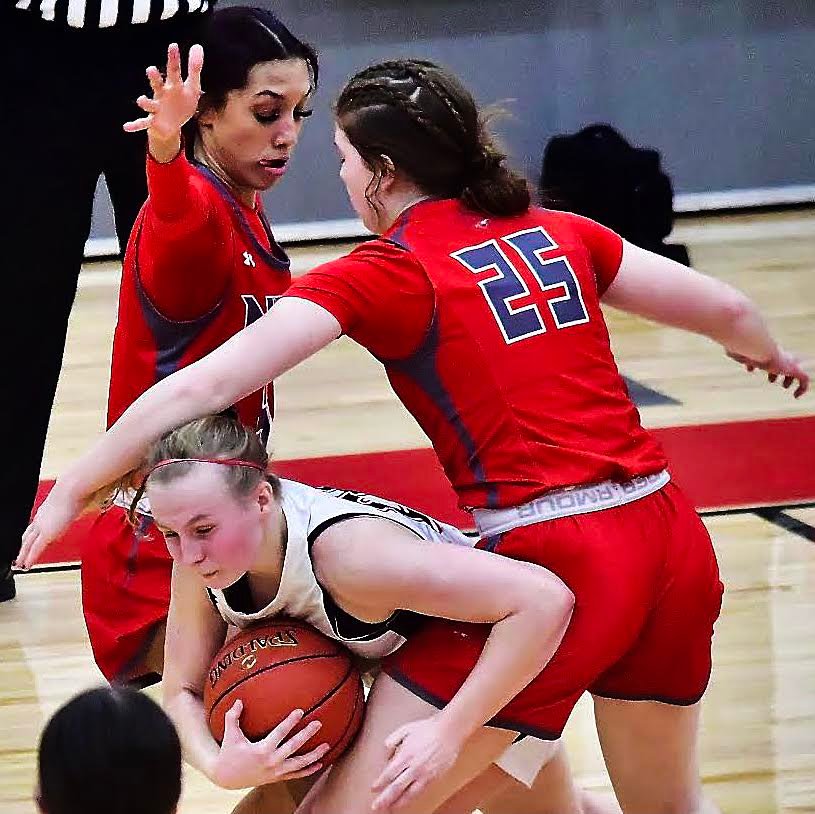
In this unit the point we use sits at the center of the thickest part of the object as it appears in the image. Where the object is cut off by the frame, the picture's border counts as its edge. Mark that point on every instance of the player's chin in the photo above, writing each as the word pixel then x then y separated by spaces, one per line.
pixel 221 578
pixel 265 178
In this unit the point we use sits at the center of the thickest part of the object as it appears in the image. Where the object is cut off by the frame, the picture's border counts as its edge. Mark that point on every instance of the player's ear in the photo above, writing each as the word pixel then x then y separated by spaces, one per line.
pixel 205 116
pixel 265 496
pixel 388 172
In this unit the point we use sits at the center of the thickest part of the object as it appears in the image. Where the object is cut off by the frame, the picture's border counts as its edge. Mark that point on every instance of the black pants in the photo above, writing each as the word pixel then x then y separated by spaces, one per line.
pixel 66 96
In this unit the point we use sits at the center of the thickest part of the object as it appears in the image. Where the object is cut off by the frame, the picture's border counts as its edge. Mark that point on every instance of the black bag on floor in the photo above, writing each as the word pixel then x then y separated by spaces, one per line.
pixel 598 173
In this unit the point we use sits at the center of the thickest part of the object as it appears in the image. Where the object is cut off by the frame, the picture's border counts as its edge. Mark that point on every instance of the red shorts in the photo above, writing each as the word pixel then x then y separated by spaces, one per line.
pixel 125 591
pixel 647 591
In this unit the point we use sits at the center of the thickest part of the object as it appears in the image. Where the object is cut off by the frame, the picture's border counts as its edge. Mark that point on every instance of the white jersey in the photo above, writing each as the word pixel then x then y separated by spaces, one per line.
pixel 309 512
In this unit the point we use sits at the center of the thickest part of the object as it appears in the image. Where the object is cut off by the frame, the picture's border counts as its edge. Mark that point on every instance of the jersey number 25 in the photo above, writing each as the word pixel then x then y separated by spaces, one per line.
pixel 505 286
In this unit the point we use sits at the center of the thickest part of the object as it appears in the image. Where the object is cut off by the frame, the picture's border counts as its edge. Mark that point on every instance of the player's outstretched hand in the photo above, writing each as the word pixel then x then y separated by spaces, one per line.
pixel 174 100
pixel 54 515
pixel 242 764
pixel 783 365
pixel 421 752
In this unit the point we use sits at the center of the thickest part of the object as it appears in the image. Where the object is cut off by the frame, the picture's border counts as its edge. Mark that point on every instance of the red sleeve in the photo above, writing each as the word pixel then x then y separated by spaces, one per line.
pixel 379 294
pixel 184 248
pixel 605 248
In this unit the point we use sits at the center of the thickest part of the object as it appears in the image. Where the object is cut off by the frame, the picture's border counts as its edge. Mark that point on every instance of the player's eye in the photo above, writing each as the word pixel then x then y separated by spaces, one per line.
pixel 169 535
pixel 299 115
pixel 268 118
pixel 203 531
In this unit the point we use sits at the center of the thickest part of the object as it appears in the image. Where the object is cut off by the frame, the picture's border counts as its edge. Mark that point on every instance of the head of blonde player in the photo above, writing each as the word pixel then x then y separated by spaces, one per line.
pixel 214 501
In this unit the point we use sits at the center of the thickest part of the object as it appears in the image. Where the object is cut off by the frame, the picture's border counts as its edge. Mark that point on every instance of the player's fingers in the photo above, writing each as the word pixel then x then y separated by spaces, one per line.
pixel 232 722
pixel 147 104
pixel 137 124
pixel 155 80
pixel 294 775
pixel 394 768
pixel 396 737
pixel 282 730
pixel 299 739
pixel 296 764
pixel 411 792
pixel 393 792
pixel 788 380
pixel 803 385
pixel 173 64
pixel 195 62
pixel 771 377
pixel 24 558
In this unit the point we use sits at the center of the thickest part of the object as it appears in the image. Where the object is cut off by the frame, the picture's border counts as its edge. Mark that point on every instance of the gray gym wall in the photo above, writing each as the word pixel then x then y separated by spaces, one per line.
pixel 724 89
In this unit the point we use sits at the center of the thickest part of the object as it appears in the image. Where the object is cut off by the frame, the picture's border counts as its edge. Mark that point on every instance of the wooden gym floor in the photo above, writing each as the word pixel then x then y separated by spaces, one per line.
pixel 758 741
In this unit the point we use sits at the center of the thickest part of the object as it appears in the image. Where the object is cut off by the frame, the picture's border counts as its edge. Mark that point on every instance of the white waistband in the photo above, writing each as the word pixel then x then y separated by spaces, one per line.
pixel 567 502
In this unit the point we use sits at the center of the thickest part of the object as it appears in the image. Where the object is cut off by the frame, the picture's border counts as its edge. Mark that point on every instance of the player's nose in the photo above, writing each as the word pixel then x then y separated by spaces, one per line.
pixel 192 552
pixel 286 135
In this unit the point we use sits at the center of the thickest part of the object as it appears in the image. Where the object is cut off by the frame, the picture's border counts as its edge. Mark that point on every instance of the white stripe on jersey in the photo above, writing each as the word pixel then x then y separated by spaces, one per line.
pixel 47 9
pixel 141 11
pixel 108 12
pixel 170 8
pixel 76 13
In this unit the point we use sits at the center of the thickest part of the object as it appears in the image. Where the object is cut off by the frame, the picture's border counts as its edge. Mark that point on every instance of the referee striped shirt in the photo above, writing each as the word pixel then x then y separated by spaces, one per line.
pixel 109 13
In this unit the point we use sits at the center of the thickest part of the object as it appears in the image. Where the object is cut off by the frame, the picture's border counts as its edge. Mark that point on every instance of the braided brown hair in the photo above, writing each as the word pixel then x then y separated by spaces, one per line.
pixel 420 117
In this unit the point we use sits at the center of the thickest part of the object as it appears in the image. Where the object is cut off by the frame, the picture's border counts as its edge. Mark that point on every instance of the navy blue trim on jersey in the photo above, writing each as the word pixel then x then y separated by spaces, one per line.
pixel 662 699
pixel 172 337
pixel 440 703
pixel 490 543
pixel 277 257
pixel 421 368
pixel 348 627
pixel 397 231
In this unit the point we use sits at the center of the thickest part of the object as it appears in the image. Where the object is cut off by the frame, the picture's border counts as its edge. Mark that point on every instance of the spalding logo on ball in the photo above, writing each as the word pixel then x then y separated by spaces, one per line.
pixel 244 652
pixel 281 666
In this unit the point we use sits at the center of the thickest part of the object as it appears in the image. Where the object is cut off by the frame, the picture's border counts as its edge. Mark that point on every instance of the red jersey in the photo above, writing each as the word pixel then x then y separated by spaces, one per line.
pixel 492 336
pixel 199 267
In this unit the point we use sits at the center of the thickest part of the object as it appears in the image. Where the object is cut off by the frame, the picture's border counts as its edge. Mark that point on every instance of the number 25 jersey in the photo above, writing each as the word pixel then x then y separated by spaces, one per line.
pixel 492 335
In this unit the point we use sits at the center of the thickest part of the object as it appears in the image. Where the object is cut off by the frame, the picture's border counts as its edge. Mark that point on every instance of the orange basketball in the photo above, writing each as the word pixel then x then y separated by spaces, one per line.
pixel 280 666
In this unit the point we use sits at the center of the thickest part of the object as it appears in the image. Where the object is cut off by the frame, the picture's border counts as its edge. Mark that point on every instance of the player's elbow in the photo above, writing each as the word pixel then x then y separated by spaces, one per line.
pixel 549 602
pixel 734 312
pixel 735 309
pixel 203 394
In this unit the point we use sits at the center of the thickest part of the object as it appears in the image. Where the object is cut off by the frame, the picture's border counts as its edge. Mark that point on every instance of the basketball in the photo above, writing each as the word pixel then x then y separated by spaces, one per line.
pixel 281 666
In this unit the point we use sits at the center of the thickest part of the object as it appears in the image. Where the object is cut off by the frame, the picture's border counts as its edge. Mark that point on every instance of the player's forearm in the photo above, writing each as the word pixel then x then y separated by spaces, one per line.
pixel 517 650
pixel 168 404
pixel 742 330
pixel 664 291
pixel 199 747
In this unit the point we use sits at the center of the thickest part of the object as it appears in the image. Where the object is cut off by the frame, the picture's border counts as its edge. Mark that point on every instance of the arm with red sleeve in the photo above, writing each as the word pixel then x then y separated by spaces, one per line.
pixel 184 248
pixel 379 294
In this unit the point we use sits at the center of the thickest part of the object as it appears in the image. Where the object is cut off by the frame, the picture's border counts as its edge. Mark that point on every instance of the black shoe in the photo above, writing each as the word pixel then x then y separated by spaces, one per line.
pixel 8 590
